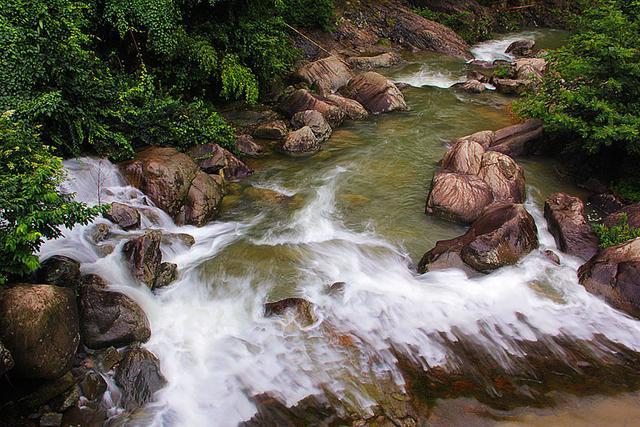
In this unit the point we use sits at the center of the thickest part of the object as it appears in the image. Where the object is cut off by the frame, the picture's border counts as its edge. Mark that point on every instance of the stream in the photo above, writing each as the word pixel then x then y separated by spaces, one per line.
pixel 354 213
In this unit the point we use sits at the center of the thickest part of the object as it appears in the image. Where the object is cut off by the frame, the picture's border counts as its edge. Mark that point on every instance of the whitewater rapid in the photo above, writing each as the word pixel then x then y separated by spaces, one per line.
pixel 218 350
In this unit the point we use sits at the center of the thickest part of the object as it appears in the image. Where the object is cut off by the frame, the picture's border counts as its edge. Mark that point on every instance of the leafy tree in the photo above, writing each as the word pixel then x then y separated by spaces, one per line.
pixel 32 206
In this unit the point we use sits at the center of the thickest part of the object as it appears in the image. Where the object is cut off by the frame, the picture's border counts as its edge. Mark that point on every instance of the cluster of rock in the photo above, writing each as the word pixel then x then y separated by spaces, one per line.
pixel 340 93
pixel 508 77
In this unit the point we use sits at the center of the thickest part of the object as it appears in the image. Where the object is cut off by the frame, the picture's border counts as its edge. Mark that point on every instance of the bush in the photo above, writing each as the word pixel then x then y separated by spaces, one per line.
pixel 617 234
pixel 33 208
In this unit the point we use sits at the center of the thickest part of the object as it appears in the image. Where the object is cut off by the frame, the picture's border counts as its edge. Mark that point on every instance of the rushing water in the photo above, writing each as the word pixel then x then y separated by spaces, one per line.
pixel 352 213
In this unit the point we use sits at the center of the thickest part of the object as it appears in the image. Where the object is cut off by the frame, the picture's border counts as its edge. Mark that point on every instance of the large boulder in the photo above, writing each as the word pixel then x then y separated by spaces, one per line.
pixel 166 177
pixel 530 68
pixel 567 224
pixel 59 270
pixel 464 157
pixel 504 176
pixel 6 360
pixel 109 318
pixel 375 92
pixel 214 159
pixel 501 236
pixel 144 256
pixel 384 60
pixel 302 100
pixel 315 121
pixel 328 74
pixel 300 142
pixel 521 48
pixel 514 141
pixel 39 326
pixel 458 197
pixel 351 108
pixel 631 213
pixel 139 376
pixel 125 216
pixel 203 200
pixel 614 274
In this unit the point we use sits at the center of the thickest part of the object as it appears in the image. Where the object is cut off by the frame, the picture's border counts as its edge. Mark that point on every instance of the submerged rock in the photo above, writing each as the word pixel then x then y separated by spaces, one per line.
pixel 144 257
pixel 375 92
pixel 123 215
pixel 501 236
pixel 328 74
pixel 300 308
pixel 39 326
pixel 567 223
pixel 614 274
pixel 315 121
pixel 109 318
pixel 139 376
pixel 59 270
pixel 302 141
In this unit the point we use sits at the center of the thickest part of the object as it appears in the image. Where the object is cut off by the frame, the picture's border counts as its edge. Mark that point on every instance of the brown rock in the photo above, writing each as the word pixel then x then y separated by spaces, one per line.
pixel 504 176
pixel 328 74
pixel 614 274
pixel 458 197
pixel 530 68
pixel 315 121
pixel 6 360
pixel 276 130
pixel 204 198
pixel 139 377
pixel 302 100
pixel 144 256
pixel 59 270
pixel 567 224
pixel 522 47
pixel 93 385
pixel 471 86
pixel 375 92
pixel 631 212
pixel 510 86
pixel 301 309
pixel 125 216
pixel 109 318
pixel 39 326
pixel 167 274
pixel 301 141
pixel 464 157
pixel 210 158
pixel 234 168
pixel 246 145
pixel 501 236
pixel 552 256
pixel 384 60
pixel 518 140
pixel 351 108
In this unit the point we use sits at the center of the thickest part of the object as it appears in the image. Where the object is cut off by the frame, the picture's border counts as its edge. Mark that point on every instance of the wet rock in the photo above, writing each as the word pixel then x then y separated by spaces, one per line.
pixel 123 215
pixel 45 392
pixel 93 385
pixel 464 157
pixel 375 92
pixel 458 197
pixel 234 168
pixel 265 195
pixel 109 318
pixel 552 256
pixel 6 360
pixel 59 270
pixel 522 47
pixel 328 74
pixel 39 326
pixel 210 158
pixel 301 141
pixel 85 416
pixel 485 138
pixel 614 274
pixel 471 86
pixel 164 175
pixel 167 274
pixel 204 199
pixel 351 108
pixel 184 239
pixel 301 310
pixel 530 68
pixel 100 232
pixel 510 86
pixel 108 358
pixel 246 145
pixel 504 176
pixel 476 75
pixel 605 203
pixel 139 377
pixel 315 121
pixel 517 140
pixel 51 419
pixel 501 236
pixel 302 100
pixel 567 224
pixel 276 130
pixel 631 213
pixel 336 289
pixel 384 60
pixel 143 256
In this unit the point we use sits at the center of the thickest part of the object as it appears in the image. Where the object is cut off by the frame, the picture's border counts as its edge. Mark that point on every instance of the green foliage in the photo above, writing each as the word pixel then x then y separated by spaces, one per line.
pixel 33 208
pixel 308 13
pixel 628 188
pixel 612 236
pixel 502 72
pixel 590 97
pixel 471 27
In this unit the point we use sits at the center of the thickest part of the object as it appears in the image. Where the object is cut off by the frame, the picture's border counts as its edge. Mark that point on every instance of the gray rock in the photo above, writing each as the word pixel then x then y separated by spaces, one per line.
pixel 301 142
pixel 59 270
pixel 276 130
pixel 167 274
pixel 315 121
pixel 125 216
pixel 139 376
pixel 143 256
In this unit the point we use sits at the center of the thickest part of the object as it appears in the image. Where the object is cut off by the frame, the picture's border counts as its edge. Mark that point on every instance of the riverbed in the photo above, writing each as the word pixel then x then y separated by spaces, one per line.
pixel 354 213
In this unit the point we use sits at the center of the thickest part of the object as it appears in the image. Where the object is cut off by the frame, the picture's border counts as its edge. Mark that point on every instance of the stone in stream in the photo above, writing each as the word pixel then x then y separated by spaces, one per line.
pixel 328 74
pixel 614 274
pixel 139 376
pixel 144 257
pixel 567 223
pixel 504 176
pixel 109 318
pixel 521 48
pixel 93 385
pixel 384 60
pixel 315 121
pixel 246 145
pixel 301 309
pixel 471 86
pixel 275 130
pixel 302 100
pixel 301 142
pixel 203 200
pixel 59 270
pixel 351 108
pixel 123 215
pixel 458 197
pixel 375 92
pixel 167 274
pixel 39 326
pixel 501 236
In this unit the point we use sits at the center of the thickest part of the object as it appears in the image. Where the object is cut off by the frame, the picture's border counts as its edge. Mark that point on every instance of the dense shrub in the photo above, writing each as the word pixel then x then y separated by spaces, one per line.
pixel 620 233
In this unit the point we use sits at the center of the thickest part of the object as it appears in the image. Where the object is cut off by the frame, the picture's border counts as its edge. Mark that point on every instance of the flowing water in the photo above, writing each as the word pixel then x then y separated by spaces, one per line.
pixel 353 213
